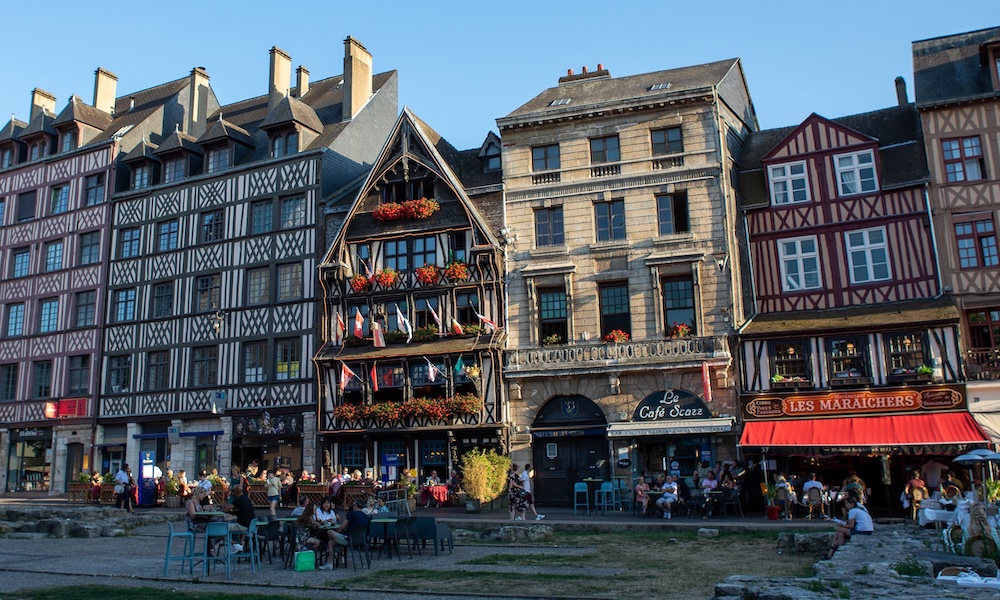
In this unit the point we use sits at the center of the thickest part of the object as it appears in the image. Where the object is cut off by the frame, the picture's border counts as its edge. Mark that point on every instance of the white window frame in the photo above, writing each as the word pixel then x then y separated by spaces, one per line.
pixel 866 251
pixel 800 259
pixel 854 168
pixel 787 179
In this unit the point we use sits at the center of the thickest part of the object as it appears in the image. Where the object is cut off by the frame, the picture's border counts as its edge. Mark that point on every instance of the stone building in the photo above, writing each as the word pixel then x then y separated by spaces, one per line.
pixel 622 288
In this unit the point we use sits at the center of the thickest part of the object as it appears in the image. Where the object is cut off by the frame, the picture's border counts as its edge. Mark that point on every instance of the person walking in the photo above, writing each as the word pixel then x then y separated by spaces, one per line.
pixel 123 488
pixel 528 497
pixel 274 492
pixel 515 495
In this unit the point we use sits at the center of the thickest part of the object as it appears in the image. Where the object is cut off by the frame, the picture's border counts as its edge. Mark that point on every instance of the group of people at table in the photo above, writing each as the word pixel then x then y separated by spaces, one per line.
pixel 669 492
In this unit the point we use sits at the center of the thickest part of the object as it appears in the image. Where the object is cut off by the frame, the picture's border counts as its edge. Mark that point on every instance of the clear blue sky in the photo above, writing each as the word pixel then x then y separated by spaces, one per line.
pixel 463 64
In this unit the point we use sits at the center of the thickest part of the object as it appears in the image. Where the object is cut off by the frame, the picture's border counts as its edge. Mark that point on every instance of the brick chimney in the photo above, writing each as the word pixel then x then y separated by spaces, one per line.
pixel 105 88
pixel 281 77
pixel 302 80
pixel 40 99
pixel 197 114
pixel 357 77
pixel 901 98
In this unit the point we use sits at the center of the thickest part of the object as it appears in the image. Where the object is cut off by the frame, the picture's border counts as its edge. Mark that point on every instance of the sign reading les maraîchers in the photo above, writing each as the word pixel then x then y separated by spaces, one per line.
pixel 854 403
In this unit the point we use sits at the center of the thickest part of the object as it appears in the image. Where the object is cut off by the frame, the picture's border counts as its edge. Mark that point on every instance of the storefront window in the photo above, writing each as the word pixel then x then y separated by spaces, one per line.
pixel 434 456
pixel 352 455
pixel 905 352
pixel 28 467
pixel 849 361
pixel 790 362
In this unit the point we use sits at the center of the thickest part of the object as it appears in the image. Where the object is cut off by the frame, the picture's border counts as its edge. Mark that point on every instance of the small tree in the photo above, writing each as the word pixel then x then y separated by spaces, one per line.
pixel 484 474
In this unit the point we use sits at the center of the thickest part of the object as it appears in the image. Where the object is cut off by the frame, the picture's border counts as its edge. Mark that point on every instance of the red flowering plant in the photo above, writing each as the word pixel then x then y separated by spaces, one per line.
pixel 456 270
pixel 348 412
pixel 409 209
pixel 616 336
pixel 387 277
pixel 427 274
pixel 464 404
pixel 360 283
pixel 679 330
pixel 385 411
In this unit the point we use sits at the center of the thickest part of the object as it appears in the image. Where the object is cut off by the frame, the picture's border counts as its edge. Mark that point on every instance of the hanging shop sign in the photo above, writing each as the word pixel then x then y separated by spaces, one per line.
pixel 670 405
pixel 812 404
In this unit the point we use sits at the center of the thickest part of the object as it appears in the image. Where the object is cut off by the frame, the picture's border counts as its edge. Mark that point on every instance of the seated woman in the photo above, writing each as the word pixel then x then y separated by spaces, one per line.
pixel 324 514
pixel 195 522
pixel 304 538
pixel 641 497
pixel 859 522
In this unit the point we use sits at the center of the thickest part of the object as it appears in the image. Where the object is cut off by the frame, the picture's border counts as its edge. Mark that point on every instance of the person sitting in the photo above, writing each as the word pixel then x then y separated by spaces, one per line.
pixel 302 507
pixel 855 484
pixel 709 484
pixel 95 488
pixel 951 482
pixel 454 483
pixel 380 506
pixel 668 500
pixel 859 522
pixel 304 538
pixel 369 508
pixel 434 479
pixel 641 497
pixel 814 500
pixel 339 536
pixel 324 513
pixel 243 509
pixel 195 522
pixel 916 491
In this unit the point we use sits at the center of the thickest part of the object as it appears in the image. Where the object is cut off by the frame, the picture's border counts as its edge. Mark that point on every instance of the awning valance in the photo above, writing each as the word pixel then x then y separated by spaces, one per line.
pixel 676 427
pixel 909 434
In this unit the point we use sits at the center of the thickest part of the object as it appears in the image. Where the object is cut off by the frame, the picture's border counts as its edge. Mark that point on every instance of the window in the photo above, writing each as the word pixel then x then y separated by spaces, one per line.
pixel 94 189
pixel 422 312
pixel 6 158
pixel 163 300
pixel 545 158
pixel 218 159
pixel 552 316
pixel 173 170
pixel 392 322
pixel 397 255
pixel 293 212
pixel 119 374
pixel 977 241
pixel 609 217
pixel 208 293
pixel 466 306
pixel 868 255
pixel 492 158
pixel 20 263
pixel 402 254
pixel 25 207
pixel 36 151
pixel 48 315
pixel 158 370
pixel 667 141
pixel 434 453
pixel 86 305
pixel 286 359
pixel 604 149
pixel 457 245
pixel 425 251
pixel 289 282
pixel 53 256
pixel 59 202
pixel 8 383
pixel 856 172
pixel 68 141
pixel 166 235
pixel 285 144
pixel 43 378
pixel 420 374
pixel 672 213
pixel 128 242
pixel 258 285
pixel 615 312
pixel 124 306
pixel 549 227
pixel 984 331
pixel 261 217
pixel 15 320
pixel 212 226
pixel 904 352
pixel 204 366
pixel 678 302
pixel 799 264
pixel 963 159
pixel 352 455
pixel 140 177
pixel 254 362
pixel 848 360
pixel 90 248
pixel 790 363
pixel 3 206
pixel 79 375
pixel 789 183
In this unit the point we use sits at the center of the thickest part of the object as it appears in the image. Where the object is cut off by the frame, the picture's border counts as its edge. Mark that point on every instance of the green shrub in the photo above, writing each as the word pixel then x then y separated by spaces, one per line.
pixel 484 474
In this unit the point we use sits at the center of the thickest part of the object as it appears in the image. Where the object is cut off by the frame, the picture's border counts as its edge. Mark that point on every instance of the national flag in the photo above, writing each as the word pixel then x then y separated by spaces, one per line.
pixel 456 328
pixel 435 316
pixel 404 324
pixel 341 329
pixel 368 270
pixel 374 378
pixel 377 337
pixel 460 366
pixel 490 325
pixel 432 370
pixel 345 375
pixel 359 324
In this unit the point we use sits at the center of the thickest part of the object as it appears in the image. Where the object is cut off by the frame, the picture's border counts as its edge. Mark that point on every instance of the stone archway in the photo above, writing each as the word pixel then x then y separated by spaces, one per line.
pixel 569 441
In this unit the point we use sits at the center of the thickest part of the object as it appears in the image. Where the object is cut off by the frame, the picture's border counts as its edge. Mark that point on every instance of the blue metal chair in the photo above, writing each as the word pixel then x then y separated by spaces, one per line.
pixel 217 530
pixel 604 497
pixel 581 488
pixel 188 551
pixel 251 548
pixel 357 538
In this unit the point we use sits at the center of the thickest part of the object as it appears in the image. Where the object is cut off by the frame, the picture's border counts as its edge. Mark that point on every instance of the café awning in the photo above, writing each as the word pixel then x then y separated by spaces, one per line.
pixel 986 412
pixel 676 427
pixel 907 434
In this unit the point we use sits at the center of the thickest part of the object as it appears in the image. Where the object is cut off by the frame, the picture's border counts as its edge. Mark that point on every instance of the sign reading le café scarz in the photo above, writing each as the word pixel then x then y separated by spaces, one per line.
pixel 813 404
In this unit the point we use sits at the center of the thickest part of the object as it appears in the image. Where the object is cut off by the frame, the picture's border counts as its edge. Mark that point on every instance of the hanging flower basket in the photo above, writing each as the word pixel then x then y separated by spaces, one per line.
pixel 616 336
pixel 456 270
pixel 427 274
pixel 436 409
pixel 360 283
pixel 409 209
pixel 387 277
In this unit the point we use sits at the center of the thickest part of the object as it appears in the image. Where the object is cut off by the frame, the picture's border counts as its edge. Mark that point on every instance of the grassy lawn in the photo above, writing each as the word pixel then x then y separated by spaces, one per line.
pixel 105 592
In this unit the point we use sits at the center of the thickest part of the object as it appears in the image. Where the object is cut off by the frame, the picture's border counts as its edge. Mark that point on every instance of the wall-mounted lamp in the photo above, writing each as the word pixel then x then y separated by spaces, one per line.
pixel 218 319
pixel 623 415
pixel 508 237
pixel 721 260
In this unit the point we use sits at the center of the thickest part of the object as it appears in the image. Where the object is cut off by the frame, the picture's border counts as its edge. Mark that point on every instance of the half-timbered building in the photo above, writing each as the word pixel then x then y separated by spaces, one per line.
pixel 622 291
pixel 957 84
pixel 414 292
pixel 850 316
pixel 217 233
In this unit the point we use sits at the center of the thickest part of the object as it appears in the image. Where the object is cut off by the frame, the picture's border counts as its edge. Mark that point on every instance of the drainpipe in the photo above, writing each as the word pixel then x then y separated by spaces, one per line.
pixel 937 258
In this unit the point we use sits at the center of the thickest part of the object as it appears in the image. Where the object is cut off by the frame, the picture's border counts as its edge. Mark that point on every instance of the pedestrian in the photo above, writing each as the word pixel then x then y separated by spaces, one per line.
pixel 526 476
pixel 274 492
pixel 124 483
pixel 515 495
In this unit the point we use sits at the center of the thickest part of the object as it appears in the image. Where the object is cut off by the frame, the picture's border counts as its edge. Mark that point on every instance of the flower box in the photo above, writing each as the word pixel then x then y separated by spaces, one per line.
pixel 427 274
pixel 386 277
pixel 791 385
pixel 456 271
pixel 617 336
pixel 360 284
pixel 409 209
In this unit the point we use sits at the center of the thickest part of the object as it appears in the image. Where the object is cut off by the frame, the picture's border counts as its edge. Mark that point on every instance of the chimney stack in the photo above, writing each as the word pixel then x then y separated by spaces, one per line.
pixel 281 77
pixel 584 69
pixel 40 99
pixel 569 72
pixel 901 91
pixel 105 88
pixel 302 80
pixel 357 77
pixel 197 114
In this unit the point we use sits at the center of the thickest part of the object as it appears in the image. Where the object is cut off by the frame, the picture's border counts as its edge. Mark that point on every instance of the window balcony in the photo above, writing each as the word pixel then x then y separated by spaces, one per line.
pixel 983 364
pixel 544 178
pixel 671 162
pixel 601 356
pixel 605 170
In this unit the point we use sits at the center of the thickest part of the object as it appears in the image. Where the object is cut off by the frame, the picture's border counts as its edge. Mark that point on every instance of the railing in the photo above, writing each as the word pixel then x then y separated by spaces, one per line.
pixel 983 364
pixel 408 280
pixel 672 162
pixel 592 356
pixel 605 170
pixel 406 422
pixel 545 178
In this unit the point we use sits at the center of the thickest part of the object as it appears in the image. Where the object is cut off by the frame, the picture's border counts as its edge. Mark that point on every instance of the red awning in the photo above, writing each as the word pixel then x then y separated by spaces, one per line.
pixel 914 434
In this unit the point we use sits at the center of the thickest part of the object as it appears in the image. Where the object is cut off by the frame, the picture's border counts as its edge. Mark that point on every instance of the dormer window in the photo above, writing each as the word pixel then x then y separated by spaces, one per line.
pixel 37 150
pixel 6 158
pixel 218 159
pixel 492 158
pixel 789 183
pixel 140 177
pixel 68 141
pixel 856 173
pixel 173 170
pixel 285 144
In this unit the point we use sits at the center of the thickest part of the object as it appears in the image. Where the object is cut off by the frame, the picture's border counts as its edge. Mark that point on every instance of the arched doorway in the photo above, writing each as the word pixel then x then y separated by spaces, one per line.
pixel 569 441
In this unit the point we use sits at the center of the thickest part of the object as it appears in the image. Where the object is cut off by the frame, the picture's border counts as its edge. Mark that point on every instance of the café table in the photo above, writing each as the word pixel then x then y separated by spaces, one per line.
pixel 438 493
pixel 380 525
pixel 593 484
pixel 937 516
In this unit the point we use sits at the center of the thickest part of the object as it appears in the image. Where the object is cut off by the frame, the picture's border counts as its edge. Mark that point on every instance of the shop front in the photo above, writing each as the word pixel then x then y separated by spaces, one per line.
pixel 273 441
pixel 569 445
pixel 29 461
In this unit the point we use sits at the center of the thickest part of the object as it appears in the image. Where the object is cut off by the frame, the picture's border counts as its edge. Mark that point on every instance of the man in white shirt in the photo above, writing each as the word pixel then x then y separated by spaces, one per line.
pixel 669 497
pixel 812 483
pixel 124 482
pixel 931 473
pixel 526 483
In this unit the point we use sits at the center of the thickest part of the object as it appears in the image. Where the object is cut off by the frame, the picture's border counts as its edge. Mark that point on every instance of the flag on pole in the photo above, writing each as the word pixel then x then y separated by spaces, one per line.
pixel 341 329
pixel 345 375
pixel 374 377
pixel 490 325
pixel 368 270
pixel 359 324
pixel 404 325
pixel 435 316
pixel 377 337
pixel 432 370
pixel 460 366
pixel 456 328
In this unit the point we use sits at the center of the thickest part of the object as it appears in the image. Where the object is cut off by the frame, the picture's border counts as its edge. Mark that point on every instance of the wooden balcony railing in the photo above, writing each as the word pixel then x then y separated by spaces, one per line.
pixel 983 364
pixel 634 353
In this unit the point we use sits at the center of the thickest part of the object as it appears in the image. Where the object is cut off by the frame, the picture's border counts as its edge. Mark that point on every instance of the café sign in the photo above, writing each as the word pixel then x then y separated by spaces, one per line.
pixel 854 403
pixel 670 405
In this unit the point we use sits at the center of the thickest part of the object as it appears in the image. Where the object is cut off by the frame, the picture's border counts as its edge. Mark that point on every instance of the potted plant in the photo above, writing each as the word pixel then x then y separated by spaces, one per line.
pixel 679 330
pixel 552 340
pixel 427 274
pixel 456 270
pixel 425 334
pixel 617 336
pixel 484 477
pixel 394 337
pixel 353 340
pixel 360 283
pixel 387 277
pixel 408 482
pixel 409 209
pixel 172 493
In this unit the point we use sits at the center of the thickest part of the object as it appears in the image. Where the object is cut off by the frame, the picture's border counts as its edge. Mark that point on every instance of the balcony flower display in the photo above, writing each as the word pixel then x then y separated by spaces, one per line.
pixel 437 409
pixel 387 277
pixel 679 330
pixel 456 270
pixel 787 379
pixel 409 209
pixel 360 283
pixel 427 274
pixel 617 336
pixel 552 340
pixel 425 334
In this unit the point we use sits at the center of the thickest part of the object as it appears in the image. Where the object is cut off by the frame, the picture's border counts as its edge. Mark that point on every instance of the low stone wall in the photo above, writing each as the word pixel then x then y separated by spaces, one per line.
pixel 79 521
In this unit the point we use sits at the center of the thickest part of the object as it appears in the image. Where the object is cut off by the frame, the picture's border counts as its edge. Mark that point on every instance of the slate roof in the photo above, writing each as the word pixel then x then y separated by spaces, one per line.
pixel 953 67
pixel 293 110
pixel 178 140
pixel 602 90
pixel 900 141
pixel 143 149
pixel 222 129
pixel 42 123
pixel 81 112
pixel 12 129
pixel 852 318
pixel 147 102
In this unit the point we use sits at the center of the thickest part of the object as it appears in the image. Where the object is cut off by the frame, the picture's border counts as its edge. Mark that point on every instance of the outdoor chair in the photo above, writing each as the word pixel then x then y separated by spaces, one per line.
pixel 814 500
pixel 187 554
pixel 917 496
pixel 251 547
pixel 406 529
pixel 731 498
pixel 581 488
pixel 427 528
pixel 696 502
pixel 271 541
pixel 357 540
pixel 213 531
pixel 604 497
pixel 782 501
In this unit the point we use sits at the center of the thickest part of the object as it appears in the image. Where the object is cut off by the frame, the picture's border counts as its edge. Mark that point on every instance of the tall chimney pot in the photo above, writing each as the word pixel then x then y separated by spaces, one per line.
pixel 197 117
pixel 281 77
pixel 901 97
pixel 569 72
pixel 357 77
pixel 600 66
pixel 584 69
pixel 105 89
pixel 302 80
pixel 40 99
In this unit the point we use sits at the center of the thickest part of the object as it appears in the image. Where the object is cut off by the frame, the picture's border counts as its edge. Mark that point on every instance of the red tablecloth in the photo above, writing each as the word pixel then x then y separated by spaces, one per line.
pixel 438 492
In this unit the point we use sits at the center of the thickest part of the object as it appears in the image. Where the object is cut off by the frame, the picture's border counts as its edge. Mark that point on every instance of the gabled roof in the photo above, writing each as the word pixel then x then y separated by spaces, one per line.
pixel 222 129
pixel 292 110
pixel 42 123
pixel 81 112
pixel 12 129
pixel 142 150
pixel 953 67
pixel 900 143
pixel 178 140
pixel 146 102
